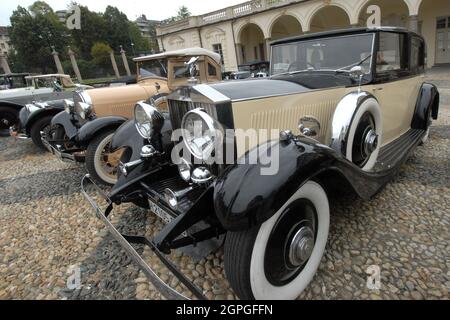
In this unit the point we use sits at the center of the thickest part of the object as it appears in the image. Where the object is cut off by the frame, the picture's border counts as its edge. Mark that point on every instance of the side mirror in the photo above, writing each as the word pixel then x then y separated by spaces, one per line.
pixel 193 60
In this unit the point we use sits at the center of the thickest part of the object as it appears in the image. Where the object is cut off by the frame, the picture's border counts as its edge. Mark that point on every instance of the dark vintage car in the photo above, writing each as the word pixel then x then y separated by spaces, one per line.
pixel 35 121
pixel 344 109
pixel 255 69
pixel 13 80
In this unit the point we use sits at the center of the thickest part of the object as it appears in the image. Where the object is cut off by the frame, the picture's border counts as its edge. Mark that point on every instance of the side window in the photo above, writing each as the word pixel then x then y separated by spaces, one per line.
pixel 417 55
pixel 391 55
pixel 212 71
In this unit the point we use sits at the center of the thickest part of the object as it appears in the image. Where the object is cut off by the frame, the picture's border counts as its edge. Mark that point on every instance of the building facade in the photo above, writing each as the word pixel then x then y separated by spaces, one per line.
pixel 242 33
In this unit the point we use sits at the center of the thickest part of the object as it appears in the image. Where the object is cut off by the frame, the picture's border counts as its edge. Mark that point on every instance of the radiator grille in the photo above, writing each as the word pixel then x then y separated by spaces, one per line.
pixel 179 108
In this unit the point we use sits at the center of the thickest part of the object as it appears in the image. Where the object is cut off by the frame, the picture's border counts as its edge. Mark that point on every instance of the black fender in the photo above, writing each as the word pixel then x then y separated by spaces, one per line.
pixel 67 122
pixel 92 128
pixel 39 114
pixel 244 198
pixel 5 103
pixel 427 101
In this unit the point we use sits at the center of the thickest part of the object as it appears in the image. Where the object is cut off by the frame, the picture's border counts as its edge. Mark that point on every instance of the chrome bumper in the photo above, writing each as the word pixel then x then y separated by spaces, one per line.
pixel 66 157
pixel 126 240
pixel 13 132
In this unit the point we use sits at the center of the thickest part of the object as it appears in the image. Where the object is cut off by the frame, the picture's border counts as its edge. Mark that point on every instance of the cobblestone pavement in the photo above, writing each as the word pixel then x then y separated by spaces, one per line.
pixel 47 228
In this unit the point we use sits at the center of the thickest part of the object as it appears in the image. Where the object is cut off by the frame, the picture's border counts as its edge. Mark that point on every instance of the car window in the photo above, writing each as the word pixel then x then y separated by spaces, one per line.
pixel 153 68
pixel 331 53
pixel 391 54
pixel 212 71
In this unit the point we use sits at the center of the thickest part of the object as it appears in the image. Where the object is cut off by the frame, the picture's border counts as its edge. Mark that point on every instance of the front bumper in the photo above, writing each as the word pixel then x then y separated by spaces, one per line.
pixel 15 133
pixel 58 152
pixel 126 240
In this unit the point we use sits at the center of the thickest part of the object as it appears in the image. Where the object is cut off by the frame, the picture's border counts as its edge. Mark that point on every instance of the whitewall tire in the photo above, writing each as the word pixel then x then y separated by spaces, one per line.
pixel 253 262
pixel 367 117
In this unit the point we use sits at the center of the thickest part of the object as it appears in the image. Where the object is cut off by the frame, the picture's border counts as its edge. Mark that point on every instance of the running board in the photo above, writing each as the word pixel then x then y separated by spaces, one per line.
pixel 394 152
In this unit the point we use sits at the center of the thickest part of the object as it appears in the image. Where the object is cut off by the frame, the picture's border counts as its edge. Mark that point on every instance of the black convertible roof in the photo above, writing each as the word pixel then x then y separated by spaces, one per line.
pixel 340 32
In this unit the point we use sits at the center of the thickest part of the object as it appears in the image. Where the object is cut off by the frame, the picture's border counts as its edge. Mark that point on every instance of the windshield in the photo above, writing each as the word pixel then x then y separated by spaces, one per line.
pixel 325 54
pixel 153 68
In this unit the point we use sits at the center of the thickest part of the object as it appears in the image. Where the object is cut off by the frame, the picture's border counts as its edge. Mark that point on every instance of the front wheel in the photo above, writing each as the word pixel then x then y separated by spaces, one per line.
pixel 42 125
pixel 101 163
pixel 9 117
pixel 278 260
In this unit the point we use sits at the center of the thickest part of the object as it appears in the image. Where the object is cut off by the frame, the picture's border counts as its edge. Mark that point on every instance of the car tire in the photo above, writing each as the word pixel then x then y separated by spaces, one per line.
pixel 94 163
pixel 426 137
pixel 9 117
pixel 252 258
pixel 367 116
pixel 35 131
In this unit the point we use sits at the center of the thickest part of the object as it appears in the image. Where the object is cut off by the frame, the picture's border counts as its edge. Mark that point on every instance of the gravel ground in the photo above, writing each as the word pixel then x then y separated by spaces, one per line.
pixel 47 228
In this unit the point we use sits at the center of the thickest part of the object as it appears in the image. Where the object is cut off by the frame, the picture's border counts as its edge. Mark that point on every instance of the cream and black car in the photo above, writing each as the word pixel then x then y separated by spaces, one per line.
pixel 254 162
pixel 83 132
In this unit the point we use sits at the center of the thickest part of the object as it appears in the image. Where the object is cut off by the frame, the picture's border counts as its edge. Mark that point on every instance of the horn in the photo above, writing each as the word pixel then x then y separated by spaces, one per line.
pixel 173 197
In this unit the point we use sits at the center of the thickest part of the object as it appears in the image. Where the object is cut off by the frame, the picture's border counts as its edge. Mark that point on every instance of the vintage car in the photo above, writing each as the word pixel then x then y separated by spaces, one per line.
pixel 255 69
pixel 35 121
pixel 257 160
pixel 13 80
pixel 40 88
pixel 84 131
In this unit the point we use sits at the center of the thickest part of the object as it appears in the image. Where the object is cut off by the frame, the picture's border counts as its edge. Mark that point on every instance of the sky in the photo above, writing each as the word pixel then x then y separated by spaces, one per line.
pixel 153 9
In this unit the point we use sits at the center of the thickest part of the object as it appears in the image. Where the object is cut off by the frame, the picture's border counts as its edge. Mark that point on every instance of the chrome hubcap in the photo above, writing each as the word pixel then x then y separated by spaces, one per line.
pixel 302 246
pixel 370 142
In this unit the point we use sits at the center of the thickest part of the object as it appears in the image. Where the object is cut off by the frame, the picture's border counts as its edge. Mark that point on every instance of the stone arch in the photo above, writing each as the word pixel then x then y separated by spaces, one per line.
pixel 393 13
pixel 252 43
pixel 328 17
pixel 284 25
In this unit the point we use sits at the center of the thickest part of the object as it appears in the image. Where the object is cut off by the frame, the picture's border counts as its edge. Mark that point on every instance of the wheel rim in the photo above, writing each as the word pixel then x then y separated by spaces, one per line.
pixel 365 141
pixel 291 243
pixel 106 162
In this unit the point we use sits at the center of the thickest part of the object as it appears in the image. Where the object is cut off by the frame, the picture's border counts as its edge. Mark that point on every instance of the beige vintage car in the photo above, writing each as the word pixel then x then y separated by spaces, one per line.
pixel 256 161
pixel 84 131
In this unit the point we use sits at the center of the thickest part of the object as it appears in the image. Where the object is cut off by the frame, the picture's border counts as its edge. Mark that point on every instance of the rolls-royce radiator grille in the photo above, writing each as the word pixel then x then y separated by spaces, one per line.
pixel 179 108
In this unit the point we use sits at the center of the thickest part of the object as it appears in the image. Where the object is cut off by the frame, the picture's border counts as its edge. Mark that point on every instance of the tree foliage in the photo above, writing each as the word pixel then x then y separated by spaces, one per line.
pixel 100 53
pixel 36 29
pixel 183 13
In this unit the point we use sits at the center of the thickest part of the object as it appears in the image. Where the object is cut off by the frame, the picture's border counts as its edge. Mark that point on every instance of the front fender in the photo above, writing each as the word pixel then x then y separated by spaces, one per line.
pixel 17 106
pixel 91 128
pixel 39 114
pixel 427 101
pixel 244 197
pixel 66 121
pixel 127 137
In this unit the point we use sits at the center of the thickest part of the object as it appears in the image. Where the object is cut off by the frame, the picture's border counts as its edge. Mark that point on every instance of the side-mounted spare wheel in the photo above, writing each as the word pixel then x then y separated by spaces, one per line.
pixel 278 259
pixel 101 163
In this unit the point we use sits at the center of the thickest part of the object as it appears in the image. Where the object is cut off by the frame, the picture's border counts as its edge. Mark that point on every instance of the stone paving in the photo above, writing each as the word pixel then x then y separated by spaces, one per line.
pixel 47 229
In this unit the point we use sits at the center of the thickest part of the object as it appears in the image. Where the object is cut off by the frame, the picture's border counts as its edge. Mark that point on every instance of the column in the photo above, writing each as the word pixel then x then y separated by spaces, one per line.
pixel 238 50
pixel 57 61
pixel 114 64
pixel 4 63
pixel 268 49
pixel 414 23
pixel 125 61
pixel 73 60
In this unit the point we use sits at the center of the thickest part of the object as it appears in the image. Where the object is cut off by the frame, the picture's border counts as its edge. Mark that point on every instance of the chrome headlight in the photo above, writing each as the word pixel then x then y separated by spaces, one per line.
pixel 147 119
pixel 83 104
pixel 201 134
pixel 69 106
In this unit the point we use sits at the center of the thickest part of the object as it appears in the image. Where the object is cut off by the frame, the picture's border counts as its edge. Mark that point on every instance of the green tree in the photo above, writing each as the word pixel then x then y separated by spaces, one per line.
pixel 33 33
pixel 100 53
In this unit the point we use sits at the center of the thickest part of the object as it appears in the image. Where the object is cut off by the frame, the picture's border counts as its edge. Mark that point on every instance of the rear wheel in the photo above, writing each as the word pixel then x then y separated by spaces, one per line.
pixel 8 117
pixel 42 125
pixel 101 163
pixel 278 259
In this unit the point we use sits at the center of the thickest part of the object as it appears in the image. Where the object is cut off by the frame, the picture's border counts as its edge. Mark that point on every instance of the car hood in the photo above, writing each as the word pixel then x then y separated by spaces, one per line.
pixel 257 88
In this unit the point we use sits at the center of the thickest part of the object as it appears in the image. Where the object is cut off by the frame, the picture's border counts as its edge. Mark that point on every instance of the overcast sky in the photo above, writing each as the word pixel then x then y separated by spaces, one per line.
pixel 153 9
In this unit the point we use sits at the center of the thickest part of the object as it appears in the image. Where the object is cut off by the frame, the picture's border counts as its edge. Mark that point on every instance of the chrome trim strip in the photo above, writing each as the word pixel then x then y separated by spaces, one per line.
pixel 211 93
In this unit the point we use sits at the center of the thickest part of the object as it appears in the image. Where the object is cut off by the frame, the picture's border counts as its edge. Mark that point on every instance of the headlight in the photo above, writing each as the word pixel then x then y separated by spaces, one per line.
pixel 69 106
pixel 201 134
pixel 83 104
pixel 147 119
